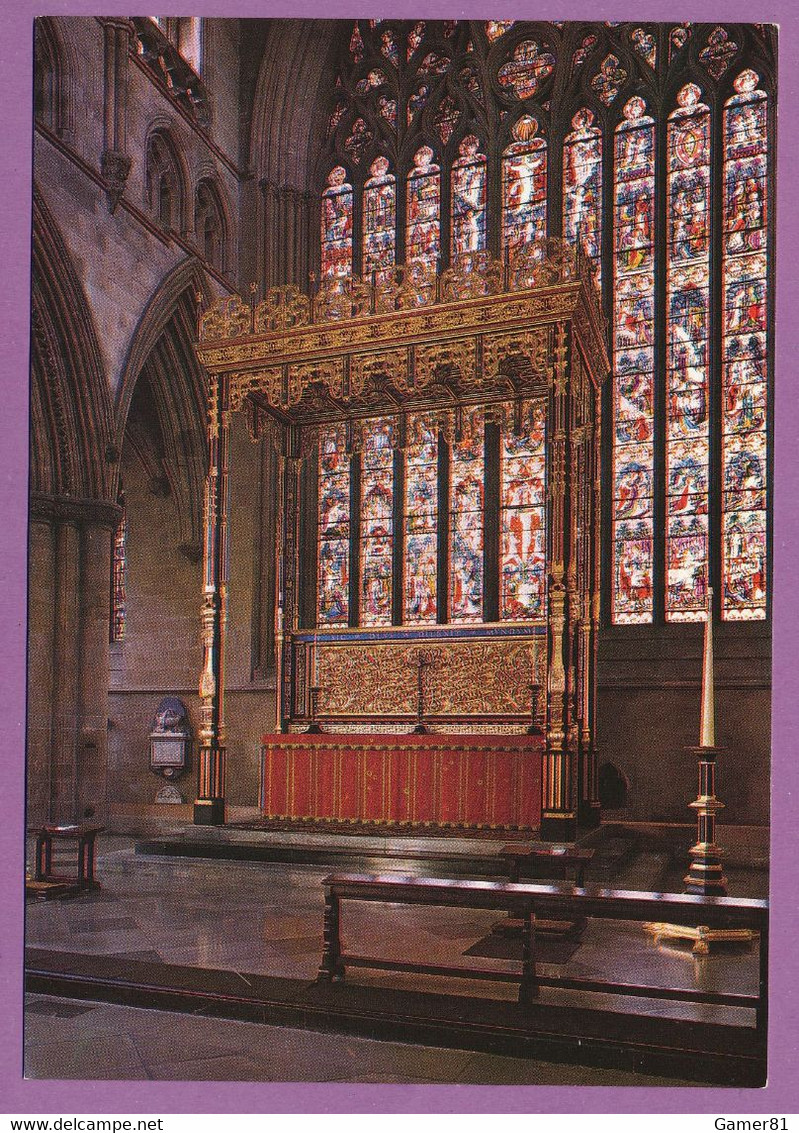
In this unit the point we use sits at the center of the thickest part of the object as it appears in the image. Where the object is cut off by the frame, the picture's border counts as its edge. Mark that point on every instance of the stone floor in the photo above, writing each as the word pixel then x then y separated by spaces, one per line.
pixel 72 1039
pixel 266 918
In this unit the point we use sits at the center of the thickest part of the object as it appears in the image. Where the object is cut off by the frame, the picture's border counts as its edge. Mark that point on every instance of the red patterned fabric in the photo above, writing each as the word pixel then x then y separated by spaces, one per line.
pixel 492 781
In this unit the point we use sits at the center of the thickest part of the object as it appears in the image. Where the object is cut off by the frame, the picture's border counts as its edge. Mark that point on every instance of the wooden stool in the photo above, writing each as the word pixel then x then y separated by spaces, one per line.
pixel 84 836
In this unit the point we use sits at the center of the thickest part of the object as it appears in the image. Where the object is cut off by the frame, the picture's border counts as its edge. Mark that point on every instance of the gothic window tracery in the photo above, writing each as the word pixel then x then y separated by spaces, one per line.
pixel 490 147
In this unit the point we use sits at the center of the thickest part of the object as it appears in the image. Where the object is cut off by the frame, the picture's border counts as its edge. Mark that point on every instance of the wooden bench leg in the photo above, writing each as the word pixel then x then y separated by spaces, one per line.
pixel 44 857
pixel 331 970
pixel 528 989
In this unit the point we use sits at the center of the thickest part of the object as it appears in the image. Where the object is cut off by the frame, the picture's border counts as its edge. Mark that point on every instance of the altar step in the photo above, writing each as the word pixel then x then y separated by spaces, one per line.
pixel 703 1052
pixel 426 857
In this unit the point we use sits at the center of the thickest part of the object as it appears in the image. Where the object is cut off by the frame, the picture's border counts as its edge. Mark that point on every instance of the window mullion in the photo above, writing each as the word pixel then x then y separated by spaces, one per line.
pixel 355 540
pixel 442 587
pixel 661 329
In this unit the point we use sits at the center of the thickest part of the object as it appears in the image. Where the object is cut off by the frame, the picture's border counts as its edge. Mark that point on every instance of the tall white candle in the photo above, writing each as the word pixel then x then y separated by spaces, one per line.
pixel 707 724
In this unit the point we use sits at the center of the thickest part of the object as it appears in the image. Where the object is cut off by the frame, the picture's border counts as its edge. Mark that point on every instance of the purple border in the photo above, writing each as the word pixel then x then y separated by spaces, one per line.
pixel 17 1096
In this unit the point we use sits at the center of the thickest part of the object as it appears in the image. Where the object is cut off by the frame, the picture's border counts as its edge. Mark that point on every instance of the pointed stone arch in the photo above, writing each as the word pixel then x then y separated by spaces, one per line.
pixel 162 355
pixel 71 450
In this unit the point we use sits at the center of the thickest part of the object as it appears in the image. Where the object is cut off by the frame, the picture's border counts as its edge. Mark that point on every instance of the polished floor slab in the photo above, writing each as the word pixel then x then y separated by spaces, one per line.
pixel 261 917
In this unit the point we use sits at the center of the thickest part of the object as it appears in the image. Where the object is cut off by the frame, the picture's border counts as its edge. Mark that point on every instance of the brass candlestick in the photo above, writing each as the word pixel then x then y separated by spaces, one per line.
pixel 705 872
pixel 314 728
pixel 423 661
pixel 535 728
pixel 705 876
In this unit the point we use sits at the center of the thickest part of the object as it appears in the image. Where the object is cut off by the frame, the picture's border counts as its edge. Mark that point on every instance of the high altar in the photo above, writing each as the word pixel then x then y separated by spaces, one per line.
pixel 407 693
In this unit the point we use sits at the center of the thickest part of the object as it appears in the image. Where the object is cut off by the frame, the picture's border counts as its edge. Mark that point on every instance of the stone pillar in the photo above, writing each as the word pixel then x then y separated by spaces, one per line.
pixel 66 662
pixel 69 623
pixel 95 621
pixel 115 162
pixel 41 582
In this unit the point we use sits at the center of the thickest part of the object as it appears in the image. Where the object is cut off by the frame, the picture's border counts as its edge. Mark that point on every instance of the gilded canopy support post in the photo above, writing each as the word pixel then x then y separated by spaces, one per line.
pixel 558 815
pixel 592 815
pixel 290 471
pixel 209 806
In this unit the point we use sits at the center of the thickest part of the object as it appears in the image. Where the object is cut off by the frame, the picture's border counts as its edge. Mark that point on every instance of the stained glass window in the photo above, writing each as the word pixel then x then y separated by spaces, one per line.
pixel 377 523
pixel 582 188
pixel 522 566
pixel 337 225
pixel 118 572
pixel 633 357
pixel 415 37
pixel 687 388
pixel 469 198
pixel 744 386
pixel 421 521
pixel 422 240
pixel 447 118
pixel 497 28
pixel 379 219
pixel 524 186
pixel 466 535
pixel 334 527
pixel 527 70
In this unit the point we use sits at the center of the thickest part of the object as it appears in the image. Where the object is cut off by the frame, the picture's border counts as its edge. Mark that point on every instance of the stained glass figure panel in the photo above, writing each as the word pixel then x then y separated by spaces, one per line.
pixel 744 379
pixel 422 241
pixel 582 188
pixel 377 523
pixel 522 560
pixel 469 199
pixel 466 520
pixel 524 187
pixel 119 569
pixel 333 528
pixel 633 358
pixel 687 384
pixel 379 220
pixel 337 226
pixel 421 521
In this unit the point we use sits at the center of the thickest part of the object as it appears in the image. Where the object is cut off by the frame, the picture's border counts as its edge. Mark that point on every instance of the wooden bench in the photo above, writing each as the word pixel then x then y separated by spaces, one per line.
pixel 550 902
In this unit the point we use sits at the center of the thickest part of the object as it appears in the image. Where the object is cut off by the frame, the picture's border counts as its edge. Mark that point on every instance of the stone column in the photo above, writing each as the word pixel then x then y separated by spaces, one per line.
pixel 95 621
pixel 41 583
pixel 69 624
pixel 115 162
pixel 66 663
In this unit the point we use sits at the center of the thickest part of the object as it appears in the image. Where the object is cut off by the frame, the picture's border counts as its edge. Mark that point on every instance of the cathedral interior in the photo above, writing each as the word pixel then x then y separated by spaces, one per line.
pixel 400 478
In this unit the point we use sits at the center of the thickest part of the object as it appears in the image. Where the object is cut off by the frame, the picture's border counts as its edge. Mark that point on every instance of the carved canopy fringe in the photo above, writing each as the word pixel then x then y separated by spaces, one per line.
pixel 541 263
pixel 480 331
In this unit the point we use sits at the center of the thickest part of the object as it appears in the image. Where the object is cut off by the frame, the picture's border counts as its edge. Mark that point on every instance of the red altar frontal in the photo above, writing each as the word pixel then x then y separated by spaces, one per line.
pixel 424 780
